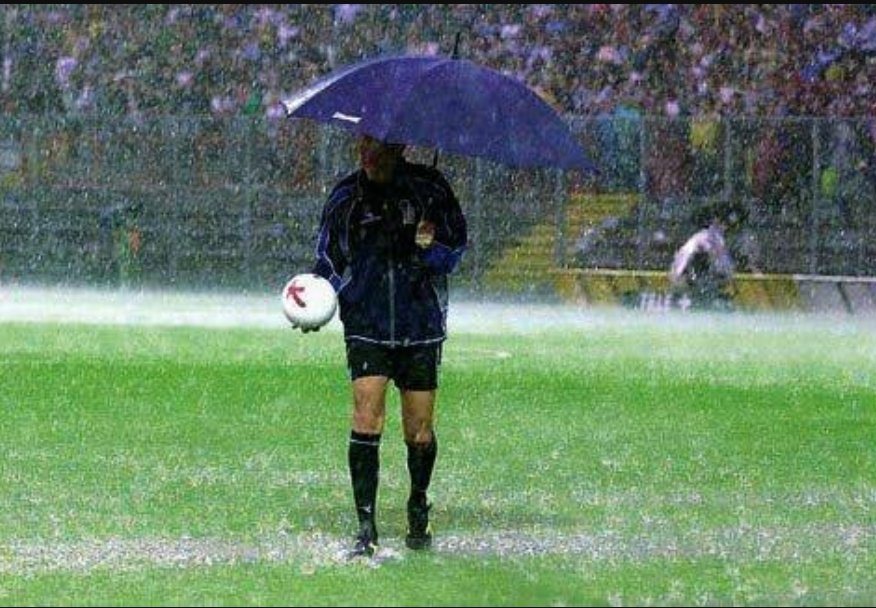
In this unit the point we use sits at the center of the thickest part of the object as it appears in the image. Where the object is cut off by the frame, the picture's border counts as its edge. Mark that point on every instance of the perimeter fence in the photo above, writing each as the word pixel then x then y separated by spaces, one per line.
pixel 234 204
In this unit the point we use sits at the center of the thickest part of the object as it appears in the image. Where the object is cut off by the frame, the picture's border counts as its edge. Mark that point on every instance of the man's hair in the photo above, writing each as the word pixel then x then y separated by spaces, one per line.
pixel 397 148
pixel 731 214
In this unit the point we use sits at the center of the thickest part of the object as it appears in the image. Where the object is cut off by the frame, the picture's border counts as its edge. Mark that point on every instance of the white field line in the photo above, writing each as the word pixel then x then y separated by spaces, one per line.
pixel 314 551
pixel 20 303
pixel 59 304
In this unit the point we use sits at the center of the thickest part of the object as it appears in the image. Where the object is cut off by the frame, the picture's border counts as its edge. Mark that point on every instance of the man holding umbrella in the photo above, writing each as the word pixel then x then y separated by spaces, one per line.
pixel 389 235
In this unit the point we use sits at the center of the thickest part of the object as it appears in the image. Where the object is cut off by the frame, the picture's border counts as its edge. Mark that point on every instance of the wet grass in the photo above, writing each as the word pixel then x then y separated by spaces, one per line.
pixel 643 461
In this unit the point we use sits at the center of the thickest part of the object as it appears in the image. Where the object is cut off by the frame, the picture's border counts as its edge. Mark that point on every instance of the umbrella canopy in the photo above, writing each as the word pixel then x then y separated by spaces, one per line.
pixel 452 105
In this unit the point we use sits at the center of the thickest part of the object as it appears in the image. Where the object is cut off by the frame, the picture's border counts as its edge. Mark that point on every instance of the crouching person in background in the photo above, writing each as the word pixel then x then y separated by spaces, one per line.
pixel 701 274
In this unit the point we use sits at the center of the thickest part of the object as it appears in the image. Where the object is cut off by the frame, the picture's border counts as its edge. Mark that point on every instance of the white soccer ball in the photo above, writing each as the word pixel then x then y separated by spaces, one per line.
pixel 309 301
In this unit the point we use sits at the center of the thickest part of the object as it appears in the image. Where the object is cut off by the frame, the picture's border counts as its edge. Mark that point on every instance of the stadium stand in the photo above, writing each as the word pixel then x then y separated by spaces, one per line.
pixel 175 107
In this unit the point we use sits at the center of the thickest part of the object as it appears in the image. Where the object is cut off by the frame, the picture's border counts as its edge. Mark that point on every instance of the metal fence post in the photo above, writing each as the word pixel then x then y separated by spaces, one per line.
pixel 727 190
pixel 478 201
pixel 248 203
pixel 815 208
pixel 173 255
pixel 644 142
pixel 560 218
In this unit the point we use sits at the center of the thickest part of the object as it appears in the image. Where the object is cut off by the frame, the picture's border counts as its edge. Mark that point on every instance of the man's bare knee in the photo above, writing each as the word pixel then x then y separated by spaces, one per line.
pixel 369 404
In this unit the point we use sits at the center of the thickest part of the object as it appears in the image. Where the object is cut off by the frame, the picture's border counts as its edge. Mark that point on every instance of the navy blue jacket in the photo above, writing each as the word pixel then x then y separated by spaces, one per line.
pixel 390 291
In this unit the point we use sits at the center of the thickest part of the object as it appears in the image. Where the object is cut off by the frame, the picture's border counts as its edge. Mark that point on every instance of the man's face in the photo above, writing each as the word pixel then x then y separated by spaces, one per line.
pixel 377 158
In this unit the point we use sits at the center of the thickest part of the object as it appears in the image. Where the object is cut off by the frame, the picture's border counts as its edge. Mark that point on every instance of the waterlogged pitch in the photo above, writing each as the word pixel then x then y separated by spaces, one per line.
pixel 172 449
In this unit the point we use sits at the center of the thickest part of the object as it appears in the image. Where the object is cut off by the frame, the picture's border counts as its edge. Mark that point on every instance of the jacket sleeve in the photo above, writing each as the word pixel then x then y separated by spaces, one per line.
pixel 330 259
pixel 451 232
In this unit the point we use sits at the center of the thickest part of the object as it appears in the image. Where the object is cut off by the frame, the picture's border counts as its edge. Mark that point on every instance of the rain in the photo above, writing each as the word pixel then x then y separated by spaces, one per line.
pixel 150 175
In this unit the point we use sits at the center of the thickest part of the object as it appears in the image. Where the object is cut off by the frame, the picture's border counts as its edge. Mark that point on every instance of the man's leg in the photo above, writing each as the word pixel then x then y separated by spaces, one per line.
pixel 369 395
pixel 422 443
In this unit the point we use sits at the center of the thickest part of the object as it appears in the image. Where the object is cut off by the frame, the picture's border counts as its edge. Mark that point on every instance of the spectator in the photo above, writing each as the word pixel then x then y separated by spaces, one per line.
pixel 702 269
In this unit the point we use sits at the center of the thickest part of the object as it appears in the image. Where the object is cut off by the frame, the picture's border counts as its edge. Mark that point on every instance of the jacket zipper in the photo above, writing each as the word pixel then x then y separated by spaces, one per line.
pixel 391 278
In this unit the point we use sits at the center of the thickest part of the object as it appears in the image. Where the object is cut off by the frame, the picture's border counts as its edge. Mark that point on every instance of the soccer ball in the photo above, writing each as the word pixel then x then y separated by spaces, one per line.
pixel 309 301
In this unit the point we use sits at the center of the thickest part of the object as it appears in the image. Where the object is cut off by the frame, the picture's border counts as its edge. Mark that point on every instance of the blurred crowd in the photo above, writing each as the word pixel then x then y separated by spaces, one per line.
pixel 764 60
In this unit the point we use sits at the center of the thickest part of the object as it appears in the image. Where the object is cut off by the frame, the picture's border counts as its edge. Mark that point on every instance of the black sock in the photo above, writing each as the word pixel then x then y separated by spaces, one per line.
pixel 421 461
pixel 364 460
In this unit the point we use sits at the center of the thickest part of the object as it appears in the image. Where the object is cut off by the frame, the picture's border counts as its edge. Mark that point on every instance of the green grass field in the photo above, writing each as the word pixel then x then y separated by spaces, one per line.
pixel 631 460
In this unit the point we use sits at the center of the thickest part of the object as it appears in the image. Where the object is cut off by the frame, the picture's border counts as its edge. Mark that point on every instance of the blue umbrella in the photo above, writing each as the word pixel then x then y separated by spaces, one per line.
pixel 452 105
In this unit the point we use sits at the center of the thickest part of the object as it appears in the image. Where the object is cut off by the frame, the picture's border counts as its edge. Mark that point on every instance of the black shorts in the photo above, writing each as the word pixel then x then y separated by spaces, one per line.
pixel 413 368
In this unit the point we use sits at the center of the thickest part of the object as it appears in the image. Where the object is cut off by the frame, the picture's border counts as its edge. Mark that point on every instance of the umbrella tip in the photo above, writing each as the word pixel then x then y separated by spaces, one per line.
pixel 455 53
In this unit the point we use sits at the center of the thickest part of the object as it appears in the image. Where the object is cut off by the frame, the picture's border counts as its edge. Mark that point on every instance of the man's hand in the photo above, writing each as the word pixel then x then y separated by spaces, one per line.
pixel 425 234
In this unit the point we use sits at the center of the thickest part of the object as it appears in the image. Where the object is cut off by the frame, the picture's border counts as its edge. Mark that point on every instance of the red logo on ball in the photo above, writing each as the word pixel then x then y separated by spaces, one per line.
pixel 293 292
